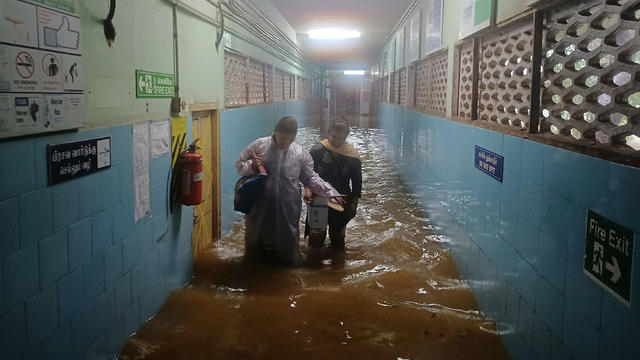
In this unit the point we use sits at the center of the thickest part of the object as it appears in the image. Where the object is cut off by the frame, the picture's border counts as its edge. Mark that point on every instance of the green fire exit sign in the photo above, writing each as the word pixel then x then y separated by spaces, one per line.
pixel 608 257
pixel 154 85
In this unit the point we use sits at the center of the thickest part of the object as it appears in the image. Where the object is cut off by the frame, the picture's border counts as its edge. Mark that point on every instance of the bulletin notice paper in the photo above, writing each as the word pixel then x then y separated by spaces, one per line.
pixel 140 138
pixel 160 137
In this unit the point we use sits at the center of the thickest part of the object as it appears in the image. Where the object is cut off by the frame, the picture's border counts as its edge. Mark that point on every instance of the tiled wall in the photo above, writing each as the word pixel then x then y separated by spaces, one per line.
pixel 238 128
pixel 78 275
pixel 520 243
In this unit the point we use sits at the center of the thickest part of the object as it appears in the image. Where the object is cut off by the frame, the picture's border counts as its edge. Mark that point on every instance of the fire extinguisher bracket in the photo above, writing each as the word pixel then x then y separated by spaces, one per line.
pixel 191 172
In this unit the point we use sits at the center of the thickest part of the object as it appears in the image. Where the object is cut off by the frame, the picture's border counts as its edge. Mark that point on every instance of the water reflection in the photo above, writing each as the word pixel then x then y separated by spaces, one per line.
pixel 393 293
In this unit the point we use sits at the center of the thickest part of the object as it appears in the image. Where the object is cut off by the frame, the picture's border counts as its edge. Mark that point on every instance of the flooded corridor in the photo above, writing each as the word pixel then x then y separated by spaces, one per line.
pixel 393 293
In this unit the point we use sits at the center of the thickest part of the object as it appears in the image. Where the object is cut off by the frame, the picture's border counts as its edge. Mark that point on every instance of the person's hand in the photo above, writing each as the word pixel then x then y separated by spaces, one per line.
pixel 308 195
pixel 256 161
pixel 340 200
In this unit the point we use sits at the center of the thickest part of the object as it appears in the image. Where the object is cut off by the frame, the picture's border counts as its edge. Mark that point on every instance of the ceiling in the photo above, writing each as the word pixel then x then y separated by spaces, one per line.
pixel 374 19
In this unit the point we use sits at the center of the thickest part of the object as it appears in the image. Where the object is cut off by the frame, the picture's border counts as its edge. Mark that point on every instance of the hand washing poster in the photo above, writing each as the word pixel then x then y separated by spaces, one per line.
pixel 41 84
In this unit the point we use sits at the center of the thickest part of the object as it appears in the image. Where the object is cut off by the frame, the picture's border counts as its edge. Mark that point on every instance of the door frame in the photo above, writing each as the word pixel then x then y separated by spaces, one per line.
pixel 214 114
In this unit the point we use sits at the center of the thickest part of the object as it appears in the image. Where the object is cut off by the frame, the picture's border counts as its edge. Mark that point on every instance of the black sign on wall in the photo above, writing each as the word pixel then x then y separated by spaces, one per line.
pixel 75 159
pixel 608 256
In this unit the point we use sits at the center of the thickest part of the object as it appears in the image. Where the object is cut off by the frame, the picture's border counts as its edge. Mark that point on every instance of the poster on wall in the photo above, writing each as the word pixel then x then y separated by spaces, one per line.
pixel 475 15
pixel 433 26
pixel 41 82
pixel 141 182
pixel 399 41
pixel 413 53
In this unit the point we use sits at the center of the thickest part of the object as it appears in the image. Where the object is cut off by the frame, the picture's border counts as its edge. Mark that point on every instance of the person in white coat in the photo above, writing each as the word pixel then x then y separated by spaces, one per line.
pixel 272 227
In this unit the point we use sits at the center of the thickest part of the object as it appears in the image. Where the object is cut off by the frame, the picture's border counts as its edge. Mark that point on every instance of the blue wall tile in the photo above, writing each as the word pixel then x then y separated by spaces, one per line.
pixel 18 172
pixel 71 295
pixel 122 289
pixel 90 194
pixel 58 345
pixel 97 350
pixel 113 264
pixel 84 329
pixel 105 309
pixel 530 200
pixel 583 293
pixel 42 315
pixel 115 335
pixel 131 251
pixel 110 186
pixel 66 207
pixel 138 279
pixel 101 231
pixel 80 241
pixel 552 261
pixel 132 319
pixel 21 276
pixel 580 336
pixel 122 218
pixel 512 153
pixel 541 339
pixel 121 143
pixel 532 161
pixel 623 195
pixel 549 304
pixel 36 218
pixel 13 331
pixel 9 211
pixel 93 276
pixel 53 255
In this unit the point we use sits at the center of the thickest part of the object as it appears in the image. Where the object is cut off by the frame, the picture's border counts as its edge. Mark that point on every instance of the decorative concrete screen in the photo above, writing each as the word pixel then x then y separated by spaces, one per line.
pixel 411 86
pixel 403 87
pixel 504 87
pixel 465 83
pixel 590 88
pixel 302 88
pixel 278 85
pixel 395 88
pixel 235 70
pixel 258 82
pixel 289 86
pixel 431 84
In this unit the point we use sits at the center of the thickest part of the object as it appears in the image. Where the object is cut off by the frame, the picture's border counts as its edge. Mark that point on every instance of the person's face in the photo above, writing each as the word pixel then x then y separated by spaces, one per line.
pixel 283 141
pixel 337 138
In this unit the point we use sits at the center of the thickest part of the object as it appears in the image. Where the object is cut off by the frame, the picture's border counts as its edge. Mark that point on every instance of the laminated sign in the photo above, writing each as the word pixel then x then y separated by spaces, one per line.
pixel 154 85
pixel 41 82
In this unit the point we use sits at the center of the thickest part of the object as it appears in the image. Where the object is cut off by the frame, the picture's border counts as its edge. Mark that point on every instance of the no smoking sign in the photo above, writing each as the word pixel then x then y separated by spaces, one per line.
pixel 24 65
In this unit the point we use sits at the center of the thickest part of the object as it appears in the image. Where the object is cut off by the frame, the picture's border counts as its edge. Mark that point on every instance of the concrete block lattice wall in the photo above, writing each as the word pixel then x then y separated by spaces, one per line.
pixel 520 243
pixel 78 274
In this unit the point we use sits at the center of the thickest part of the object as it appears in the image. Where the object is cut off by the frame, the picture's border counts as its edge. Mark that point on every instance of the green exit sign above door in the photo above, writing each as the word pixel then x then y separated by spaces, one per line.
pixel 608 257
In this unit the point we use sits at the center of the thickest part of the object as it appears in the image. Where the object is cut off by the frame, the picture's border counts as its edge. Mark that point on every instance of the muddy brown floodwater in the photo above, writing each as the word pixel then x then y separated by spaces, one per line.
pixel 393 293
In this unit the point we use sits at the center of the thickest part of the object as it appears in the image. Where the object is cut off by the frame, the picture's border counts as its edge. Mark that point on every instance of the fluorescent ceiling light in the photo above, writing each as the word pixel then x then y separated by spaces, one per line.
pixel 333 34
pixel 354 72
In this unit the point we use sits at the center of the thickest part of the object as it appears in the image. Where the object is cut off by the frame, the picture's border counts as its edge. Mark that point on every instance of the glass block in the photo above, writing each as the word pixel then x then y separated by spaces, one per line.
pixel 621 78
pixel 604 99
pixel 594 44
pixel 633 142
pixel 545 113
pixel 606 21
pixel 577 99
pixel 547 83
pixel 565 115
pixel 618 119
pixel 549 53
pixel 621 37
pixel 606 60
pixel 569 49
pixel 589 117
pixel 567 82
pixel 576 134
pixel 556 98
pixel 578 29
pixel 580 64
pixel 555 130
pixel 558 67
pixel 591 81
pixel 634 100
pixel 602 137
pixel 559 35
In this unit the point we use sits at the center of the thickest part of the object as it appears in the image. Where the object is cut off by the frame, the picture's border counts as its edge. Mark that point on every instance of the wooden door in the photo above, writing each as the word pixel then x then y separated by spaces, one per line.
pixel 206 222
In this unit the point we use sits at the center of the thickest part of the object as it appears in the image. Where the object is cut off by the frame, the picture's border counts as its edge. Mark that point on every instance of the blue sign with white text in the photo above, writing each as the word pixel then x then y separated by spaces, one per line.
pixel 489 162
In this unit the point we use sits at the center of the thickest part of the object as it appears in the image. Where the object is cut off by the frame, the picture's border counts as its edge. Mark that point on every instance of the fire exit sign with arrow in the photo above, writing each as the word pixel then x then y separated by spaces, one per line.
pixel 608 256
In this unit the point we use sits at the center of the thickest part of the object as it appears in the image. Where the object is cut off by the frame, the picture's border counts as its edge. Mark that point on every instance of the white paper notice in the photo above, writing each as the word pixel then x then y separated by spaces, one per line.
pixel 160 137
pixel 141 191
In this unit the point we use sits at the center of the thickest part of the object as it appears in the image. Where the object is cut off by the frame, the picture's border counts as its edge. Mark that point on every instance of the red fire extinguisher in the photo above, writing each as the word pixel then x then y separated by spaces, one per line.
pixel 191 189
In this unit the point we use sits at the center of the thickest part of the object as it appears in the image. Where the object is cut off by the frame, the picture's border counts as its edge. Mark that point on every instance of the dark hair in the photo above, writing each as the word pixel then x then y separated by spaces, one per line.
pixel 340 126
pixel 287 125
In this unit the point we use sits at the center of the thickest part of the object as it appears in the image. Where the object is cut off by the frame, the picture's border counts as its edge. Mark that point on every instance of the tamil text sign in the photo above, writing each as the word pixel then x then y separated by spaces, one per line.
pixel 489 162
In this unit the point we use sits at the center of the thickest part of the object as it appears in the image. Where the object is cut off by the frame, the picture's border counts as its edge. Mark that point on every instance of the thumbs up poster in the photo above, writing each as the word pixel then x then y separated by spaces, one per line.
pixel 41 82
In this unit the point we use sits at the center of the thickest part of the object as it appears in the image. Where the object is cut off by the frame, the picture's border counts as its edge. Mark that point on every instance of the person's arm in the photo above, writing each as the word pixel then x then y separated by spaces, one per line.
pixel 355 172
pixel 313 181
pixel 244 164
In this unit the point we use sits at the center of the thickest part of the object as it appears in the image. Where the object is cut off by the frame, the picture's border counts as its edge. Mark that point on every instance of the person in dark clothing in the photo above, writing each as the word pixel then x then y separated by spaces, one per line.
pixel 338 163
